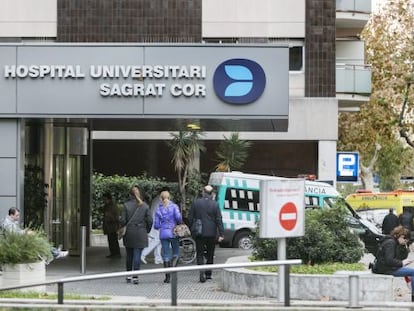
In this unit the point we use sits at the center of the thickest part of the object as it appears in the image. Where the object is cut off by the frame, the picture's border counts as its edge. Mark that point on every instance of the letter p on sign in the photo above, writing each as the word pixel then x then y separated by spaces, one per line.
pixel 347 166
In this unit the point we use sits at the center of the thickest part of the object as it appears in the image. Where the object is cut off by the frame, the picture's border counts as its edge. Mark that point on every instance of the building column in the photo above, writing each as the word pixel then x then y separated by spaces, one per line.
pixel 327 160
pixel 11 165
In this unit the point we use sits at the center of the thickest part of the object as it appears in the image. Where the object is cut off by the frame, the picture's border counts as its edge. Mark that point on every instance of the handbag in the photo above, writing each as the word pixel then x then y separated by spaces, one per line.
pixel 197 228
pixel 182 231
pixel 121 231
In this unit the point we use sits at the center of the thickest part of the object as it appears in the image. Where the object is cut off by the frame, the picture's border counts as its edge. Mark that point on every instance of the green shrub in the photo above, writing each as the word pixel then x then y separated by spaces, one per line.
pixel 327 239
pixel 29 247
pixel 150 187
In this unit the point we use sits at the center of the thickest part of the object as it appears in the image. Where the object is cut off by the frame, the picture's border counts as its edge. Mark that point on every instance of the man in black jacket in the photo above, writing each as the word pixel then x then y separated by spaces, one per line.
pixel 206 209
pixel 390 222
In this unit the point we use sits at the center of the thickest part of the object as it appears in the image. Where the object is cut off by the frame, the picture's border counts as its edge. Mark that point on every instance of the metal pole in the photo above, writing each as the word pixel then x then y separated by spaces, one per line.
pixel 60 293
pixel 287 285
pixel 353 291
pixel 83 250
pixel 174 288
pixel 281 255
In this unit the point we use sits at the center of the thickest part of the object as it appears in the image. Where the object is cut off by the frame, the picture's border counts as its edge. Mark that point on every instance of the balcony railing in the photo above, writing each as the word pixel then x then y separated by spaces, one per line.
pixel 363 6
pixel 353 79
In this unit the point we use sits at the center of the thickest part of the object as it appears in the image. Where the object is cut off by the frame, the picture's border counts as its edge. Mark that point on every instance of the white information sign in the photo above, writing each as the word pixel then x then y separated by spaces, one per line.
pixel 282 208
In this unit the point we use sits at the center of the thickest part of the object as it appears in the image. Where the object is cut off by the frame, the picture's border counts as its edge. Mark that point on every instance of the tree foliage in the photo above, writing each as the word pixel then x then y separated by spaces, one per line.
pixel 232 153
pixel 387 117
pixel 390 51
pixel 185 146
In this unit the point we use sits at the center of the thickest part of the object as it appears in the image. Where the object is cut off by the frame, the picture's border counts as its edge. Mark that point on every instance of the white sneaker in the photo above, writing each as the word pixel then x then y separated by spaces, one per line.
pixel 62 254
pixel 143 260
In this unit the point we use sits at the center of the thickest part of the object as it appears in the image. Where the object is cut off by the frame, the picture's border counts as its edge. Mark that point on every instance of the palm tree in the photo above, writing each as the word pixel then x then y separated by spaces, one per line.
pixel 185 145
pixel 232 153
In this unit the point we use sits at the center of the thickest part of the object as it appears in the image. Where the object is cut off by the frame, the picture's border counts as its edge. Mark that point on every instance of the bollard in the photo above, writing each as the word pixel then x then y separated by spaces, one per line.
pixel 83 250
pixel 353 291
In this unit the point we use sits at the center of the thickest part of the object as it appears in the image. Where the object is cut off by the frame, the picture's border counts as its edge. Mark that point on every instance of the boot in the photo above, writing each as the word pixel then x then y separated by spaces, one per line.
pixel 202 277
pixel 167 275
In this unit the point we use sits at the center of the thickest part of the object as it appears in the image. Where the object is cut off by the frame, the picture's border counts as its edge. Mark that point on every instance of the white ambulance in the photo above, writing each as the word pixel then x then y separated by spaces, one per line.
pixel 238 198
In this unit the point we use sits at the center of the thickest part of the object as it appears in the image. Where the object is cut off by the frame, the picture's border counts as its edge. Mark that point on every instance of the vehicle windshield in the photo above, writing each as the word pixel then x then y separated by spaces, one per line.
pixel 355 218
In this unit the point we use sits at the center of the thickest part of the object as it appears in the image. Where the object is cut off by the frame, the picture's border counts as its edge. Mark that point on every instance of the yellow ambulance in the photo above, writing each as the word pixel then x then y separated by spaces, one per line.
pixel 375 205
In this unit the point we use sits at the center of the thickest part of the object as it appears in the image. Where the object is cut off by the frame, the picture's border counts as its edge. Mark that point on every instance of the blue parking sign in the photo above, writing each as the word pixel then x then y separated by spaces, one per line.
pixel 347 166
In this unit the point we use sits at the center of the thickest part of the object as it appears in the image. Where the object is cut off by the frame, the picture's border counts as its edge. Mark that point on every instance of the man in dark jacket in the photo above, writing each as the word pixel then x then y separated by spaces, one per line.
pixel 206 209
pixel 390 222
pixel 406 219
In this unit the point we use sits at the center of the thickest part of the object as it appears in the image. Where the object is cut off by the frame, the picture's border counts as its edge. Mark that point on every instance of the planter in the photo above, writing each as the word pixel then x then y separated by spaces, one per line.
pixel 98 240
pixel 18 274
pixel 373 287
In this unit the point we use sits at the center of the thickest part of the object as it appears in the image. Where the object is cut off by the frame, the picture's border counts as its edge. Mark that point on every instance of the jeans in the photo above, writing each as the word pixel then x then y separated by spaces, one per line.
pixel 154 244
pixel 166 250
pixel 406 271
pixel 133 258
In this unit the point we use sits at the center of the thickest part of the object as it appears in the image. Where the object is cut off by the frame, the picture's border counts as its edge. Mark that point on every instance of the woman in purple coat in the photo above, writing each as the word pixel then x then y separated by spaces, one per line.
pixel 167 217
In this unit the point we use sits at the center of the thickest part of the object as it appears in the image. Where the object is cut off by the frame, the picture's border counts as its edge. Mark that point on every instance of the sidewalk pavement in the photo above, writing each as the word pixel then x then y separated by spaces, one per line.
pixel 152 294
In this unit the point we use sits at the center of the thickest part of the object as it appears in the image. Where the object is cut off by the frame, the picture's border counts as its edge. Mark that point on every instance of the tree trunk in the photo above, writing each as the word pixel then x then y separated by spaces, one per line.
pixel 367 172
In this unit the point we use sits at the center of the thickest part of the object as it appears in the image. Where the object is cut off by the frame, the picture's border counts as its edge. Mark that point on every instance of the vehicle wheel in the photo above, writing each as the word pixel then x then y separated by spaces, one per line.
pixel 187 250
pixel 243 240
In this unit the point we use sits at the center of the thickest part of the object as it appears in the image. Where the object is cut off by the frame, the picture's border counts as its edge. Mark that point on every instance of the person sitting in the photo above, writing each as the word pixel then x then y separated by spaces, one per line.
pixel 392 255
pixel 11 224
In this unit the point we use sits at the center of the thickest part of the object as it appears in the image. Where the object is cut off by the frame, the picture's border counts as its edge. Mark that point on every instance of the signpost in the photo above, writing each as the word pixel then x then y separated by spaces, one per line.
pixel 282 214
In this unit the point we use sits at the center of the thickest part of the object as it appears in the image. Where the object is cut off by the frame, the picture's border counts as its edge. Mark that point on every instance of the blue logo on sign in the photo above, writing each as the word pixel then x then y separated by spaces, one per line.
pixel 239 81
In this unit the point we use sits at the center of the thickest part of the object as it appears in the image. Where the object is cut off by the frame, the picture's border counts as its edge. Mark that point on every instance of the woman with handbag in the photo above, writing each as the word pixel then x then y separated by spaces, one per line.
pixel 167 217
pixel 137 219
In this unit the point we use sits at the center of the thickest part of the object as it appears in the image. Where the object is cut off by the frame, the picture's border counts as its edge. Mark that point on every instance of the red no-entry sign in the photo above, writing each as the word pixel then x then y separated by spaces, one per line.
pixel 288 216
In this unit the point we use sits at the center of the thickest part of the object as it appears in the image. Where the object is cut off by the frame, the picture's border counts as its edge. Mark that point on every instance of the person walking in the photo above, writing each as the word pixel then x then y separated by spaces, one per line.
pixel 167 217
pixel 390 222
pixel 137 218
pixel 154 242
pixel 207 210
pixel 111 225
pixel 392 255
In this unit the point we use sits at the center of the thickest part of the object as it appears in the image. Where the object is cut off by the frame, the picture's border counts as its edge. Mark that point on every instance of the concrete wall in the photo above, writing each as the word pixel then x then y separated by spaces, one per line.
pixel 252 18
pixel 373 287
pixel 28 18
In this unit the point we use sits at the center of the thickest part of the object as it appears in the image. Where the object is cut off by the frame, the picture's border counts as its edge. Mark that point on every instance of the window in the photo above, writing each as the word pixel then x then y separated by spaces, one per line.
pixel 295 58
pixel 311 202
pixel 295 47
pixel 242 200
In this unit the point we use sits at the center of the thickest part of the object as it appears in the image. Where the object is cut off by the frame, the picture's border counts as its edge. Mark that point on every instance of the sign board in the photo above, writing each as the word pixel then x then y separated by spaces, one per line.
pixel 347 166
pixel 282 208
pixel 144 80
